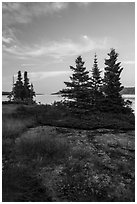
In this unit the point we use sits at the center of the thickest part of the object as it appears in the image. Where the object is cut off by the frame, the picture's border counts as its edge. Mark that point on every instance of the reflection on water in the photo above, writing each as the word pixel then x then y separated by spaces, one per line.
pixel 49 99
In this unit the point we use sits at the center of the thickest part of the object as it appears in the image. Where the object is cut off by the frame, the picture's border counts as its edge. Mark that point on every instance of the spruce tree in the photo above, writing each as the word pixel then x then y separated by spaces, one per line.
pixel 95 84
pixel 32 92
pixel 76 93
pixel 26 86
pixel 23 91
pixel 112 85
pixel 18 88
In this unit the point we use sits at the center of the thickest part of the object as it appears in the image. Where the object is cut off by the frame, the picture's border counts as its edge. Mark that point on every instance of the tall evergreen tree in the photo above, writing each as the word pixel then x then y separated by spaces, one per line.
pixel 112 85
pixel 32 92
pixel 76 92
pixel 95 84
pixel 23 91
pixel 96 77
pixel 18 88
pixel 26 86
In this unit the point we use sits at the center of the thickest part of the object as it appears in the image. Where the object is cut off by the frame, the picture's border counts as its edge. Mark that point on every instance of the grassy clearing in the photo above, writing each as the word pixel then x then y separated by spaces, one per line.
pixel 42 146
pixel 13 124
pixel 9 108
pixel 11 127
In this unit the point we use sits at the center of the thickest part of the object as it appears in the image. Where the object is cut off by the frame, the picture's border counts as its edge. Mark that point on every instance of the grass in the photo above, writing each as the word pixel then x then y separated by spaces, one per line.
pixel 20 184
pixel 10 108
pixel 11 127
pixel 42 146
pixel 46 164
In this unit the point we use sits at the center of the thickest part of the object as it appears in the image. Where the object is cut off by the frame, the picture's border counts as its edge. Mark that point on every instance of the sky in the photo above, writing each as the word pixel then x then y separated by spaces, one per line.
pixel 44 39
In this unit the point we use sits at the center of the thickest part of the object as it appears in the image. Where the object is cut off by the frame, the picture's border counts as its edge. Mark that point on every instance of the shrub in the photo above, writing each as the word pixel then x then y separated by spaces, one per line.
pixel 58 115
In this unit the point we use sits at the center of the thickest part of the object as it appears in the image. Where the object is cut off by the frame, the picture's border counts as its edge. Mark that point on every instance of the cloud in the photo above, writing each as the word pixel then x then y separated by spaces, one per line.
pixel 85 37
pixel 83 3
pixel 23 12
pixel 58 49
pixel 128 62
pixel 35 76
pixel 7 40
pixel 28 65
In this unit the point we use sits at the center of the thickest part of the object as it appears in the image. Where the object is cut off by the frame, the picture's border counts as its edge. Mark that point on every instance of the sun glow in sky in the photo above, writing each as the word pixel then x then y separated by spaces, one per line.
pixel 44 39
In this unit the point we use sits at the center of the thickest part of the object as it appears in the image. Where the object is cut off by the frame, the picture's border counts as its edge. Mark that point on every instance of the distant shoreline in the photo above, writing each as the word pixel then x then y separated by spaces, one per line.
pixel 125 91
pixel 6 93
pixel 39 94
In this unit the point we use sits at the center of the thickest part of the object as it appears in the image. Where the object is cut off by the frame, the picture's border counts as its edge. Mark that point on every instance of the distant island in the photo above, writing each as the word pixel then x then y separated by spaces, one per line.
pixel 128 90
pixel 5 93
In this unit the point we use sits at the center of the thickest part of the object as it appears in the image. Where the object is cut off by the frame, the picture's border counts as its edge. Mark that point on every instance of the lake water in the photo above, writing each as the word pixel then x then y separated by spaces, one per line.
pixel 49 99
pixel 43 99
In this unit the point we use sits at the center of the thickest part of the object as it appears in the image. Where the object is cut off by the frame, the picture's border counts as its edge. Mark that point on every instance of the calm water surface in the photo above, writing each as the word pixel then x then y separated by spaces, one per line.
pixel 49 99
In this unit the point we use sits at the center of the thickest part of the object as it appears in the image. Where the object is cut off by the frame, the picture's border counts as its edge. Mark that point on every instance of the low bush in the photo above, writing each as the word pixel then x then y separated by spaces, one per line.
pixel 59 115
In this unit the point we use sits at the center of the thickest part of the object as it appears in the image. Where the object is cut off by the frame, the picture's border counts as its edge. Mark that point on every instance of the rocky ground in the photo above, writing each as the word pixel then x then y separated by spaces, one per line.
pixel 99 166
